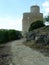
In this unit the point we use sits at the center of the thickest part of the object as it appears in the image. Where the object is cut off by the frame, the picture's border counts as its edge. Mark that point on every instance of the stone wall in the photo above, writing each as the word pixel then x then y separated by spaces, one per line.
pixel 29 18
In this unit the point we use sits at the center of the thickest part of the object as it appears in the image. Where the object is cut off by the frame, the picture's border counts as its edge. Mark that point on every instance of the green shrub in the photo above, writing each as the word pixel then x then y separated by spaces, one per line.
pixel 9 35
pixel 35 25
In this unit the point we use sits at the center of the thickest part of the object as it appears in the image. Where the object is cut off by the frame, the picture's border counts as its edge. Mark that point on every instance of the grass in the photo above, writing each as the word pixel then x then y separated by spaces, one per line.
pixel 39 47
pixel 32 44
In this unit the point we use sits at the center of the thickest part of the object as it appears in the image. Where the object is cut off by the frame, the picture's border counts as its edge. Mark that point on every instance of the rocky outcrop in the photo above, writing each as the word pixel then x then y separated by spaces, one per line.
pixel 38 37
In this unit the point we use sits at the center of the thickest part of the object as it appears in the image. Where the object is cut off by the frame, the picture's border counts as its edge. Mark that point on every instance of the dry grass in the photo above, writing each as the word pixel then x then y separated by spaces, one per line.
pixel 39 47
pixel 32 44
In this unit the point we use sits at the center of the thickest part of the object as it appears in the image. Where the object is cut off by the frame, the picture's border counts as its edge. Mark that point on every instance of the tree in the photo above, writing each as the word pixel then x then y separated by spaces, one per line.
pixel 36 24
pixel 14 35
pixel 9 35
pixel 47 18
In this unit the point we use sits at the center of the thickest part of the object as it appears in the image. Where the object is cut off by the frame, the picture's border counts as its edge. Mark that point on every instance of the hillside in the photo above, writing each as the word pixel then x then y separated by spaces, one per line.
pixel 44 30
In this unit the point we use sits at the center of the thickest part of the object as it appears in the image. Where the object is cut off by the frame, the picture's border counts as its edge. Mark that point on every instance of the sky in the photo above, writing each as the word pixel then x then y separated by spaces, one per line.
pixel 11 12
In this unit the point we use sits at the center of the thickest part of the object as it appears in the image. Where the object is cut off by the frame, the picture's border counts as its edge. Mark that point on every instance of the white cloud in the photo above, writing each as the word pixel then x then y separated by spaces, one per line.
pixel 11 23
pixel 47 10
pixel 45 6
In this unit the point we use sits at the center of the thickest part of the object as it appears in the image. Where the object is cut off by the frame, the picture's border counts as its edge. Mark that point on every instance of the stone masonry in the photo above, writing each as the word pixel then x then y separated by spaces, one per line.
pixel 31 17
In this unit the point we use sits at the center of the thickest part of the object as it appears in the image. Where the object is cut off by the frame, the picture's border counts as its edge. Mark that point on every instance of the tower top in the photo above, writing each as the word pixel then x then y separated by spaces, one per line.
pixel 35 9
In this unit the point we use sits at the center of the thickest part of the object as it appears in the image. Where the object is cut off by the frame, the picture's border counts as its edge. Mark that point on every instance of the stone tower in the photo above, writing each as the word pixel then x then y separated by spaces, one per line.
pixel 31 17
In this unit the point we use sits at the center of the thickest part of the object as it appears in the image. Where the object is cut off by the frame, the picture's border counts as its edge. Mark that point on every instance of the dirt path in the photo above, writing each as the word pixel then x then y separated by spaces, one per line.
pixel 23 55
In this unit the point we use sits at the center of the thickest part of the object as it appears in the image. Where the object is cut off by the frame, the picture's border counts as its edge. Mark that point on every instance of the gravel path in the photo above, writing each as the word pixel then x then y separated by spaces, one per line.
pixel 22 55
pixel 5 54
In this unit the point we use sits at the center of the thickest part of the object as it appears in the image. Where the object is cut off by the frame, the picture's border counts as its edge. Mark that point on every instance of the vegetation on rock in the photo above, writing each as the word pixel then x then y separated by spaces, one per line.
pixel 36 24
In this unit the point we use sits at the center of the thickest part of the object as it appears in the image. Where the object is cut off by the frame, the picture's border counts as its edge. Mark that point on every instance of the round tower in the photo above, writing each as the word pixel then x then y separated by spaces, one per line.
pixel 35 9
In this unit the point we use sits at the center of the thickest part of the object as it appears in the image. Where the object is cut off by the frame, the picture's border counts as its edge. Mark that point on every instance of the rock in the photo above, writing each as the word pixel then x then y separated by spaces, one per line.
pixel 30 35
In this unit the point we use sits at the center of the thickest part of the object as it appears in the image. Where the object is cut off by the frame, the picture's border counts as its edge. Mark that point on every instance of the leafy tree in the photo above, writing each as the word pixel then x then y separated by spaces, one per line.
pixel 3 36
pixel 36 24
pixel 9 35
pixel 13 34
pixel 47 18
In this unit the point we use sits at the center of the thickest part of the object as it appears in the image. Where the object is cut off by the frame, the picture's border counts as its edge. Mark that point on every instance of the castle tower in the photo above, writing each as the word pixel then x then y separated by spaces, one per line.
pixel 31 17
pixel 35 9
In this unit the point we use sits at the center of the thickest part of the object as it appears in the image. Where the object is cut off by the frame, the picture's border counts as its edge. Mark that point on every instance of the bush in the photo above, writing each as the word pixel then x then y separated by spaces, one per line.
pixel 35 25
pixel 9 35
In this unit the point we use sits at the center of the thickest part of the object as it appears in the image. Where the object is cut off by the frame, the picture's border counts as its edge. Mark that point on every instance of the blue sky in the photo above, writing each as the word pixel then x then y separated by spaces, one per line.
pixel 11 12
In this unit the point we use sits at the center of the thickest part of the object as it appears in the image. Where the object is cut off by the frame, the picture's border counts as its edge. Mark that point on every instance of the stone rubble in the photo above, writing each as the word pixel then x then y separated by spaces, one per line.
pixel 5 54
